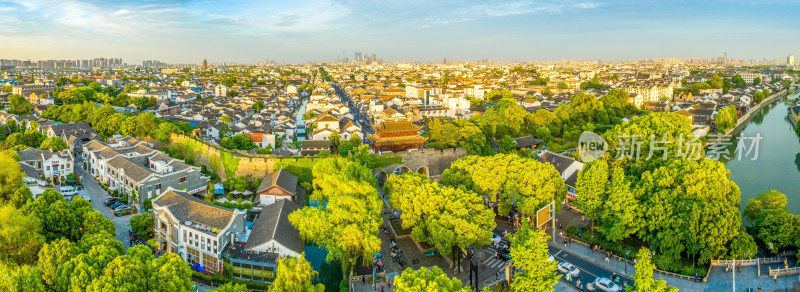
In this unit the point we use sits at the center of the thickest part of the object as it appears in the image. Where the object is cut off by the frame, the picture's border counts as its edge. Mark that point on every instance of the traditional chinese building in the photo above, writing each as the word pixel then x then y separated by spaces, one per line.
pixel 396 136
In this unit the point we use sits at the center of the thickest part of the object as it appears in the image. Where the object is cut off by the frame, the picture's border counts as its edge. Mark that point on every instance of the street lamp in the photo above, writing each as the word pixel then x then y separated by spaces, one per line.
pixel 626 261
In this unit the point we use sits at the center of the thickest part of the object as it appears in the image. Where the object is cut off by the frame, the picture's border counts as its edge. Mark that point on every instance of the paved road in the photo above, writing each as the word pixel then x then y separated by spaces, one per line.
pixel 99 195
pixel 589 269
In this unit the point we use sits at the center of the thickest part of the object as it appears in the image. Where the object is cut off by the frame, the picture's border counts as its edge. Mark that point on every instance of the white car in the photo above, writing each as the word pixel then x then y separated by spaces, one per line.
pixel 568 268
pixel 603 284
pixel 85 197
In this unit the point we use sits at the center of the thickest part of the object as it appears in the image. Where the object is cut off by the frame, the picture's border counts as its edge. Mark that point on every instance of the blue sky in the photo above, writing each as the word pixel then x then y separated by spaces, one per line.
pixel 408 30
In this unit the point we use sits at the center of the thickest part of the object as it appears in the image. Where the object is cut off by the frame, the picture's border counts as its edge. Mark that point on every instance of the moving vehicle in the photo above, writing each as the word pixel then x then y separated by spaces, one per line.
pixel 503 255
pixel 568 268
pixel 603 284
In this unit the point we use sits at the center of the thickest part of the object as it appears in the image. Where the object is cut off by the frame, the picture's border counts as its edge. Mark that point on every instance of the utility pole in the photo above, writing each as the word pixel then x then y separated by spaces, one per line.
pixel 733 270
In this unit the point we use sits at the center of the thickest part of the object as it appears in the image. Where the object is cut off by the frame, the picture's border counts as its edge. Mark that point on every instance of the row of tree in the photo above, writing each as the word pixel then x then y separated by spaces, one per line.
pixel 559 129
pixel 680 206
pixel 508 179
pixel 50 244
pixel 107 121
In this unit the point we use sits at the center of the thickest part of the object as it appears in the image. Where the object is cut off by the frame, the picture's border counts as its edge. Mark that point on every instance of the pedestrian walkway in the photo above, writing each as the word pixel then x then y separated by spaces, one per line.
pixel 748 279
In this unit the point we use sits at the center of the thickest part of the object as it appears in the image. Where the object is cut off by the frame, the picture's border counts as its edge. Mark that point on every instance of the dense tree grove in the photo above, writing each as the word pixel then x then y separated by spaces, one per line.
pixel 431 279
pixel 348 226
pixel 726 119
pixel 532 184
pixel 682 208
pixel 559 129
pixel 107 121
pixel 238 141
pixel 773 225
pixel 451 217
pixel 48 244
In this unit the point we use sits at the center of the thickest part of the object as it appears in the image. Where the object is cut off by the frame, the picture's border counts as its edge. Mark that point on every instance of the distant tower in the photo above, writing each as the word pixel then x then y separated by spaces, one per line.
pixel 790 60
pixel 205 64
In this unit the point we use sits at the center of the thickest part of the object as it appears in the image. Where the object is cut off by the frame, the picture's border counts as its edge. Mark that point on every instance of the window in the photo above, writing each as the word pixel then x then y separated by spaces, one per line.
pixel 48 168
pixel 158 186
pixel 182 179
pixel 149 188
pixel 184 236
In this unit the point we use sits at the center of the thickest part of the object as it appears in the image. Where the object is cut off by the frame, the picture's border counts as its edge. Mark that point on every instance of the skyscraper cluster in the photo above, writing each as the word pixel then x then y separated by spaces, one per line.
pixel 61 64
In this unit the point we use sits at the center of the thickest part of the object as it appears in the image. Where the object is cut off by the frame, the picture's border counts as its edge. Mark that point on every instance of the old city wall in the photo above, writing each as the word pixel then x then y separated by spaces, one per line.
pixel 225 163
pixel 435 160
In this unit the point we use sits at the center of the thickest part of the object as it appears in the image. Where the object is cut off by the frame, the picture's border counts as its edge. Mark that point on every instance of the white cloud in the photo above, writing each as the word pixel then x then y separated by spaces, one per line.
pixel 500 9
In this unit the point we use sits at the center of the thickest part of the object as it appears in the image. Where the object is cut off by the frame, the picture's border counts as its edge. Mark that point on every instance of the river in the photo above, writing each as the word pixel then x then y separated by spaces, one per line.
pixel 778 163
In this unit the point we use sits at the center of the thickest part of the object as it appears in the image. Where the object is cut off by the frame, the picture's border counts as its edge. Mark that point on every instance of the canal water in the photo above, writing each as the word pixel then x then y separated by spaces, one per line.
pixel 300 123
pixel 778 163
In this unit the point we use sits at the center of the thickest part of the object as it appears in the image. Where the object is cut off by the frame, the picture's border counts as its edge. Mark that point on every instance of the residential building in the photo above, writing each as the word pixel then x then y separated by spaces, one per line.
pixel 27 89
pixel 133 168
pixel 195 230
pixel 568 168
pixel 279 185
pixel 52 166
pixel 314 147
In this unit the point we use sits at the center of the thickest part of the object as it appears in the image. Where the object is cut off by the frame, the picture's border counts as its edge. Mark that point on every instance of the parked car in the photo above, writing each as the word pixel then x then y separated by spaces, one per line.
pixel 85 197
pixel 603 284
pixel 67 191
pixel 110 201
pixel 118 208
pixel 568 268
pixel 117 204
pixel 123 209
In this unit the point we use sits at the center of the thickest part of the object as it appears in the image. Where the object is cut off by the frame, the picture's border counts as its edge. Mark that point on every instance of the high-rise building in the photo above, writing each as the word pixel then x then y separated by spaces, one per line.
pixel 357 56
pixel 205 64
pixel 790 60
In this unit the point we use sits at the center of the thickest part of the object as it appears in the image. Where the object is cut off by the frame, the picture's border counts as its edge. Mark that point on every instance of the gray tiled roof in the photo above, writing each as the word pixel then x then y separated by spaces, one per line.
pixel 273 223
pixel 282 179
pixel 186 207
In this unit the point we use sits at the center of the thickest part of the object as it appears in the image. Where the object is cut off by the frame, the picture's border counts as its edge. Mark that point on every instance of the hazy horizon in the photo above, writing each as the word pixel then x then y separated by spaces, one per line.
pixel 415 31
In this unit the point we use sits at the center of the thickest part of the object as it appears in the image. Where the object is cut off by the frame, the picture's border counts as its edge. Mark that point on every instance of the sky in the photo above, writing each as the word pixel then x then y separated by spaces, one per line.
pixel 299 31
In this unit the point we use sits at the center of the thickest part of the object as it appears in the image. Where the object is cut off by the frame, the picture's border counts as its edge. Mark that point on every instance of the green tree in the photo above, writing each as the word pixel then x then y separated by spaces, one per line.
pixel 143 225
pixel 452 218
pixel 163 131
pixel 591 186
pixel 348 226
pixel 757 81
pixel 18 105
pixel 529 251
pixel 563 85
pixel 335 139
pixel 738 81
pixel 643 275
pixel 531 184
pixel 54 144
pixel 20 235
pixel 431 279
pixel 621 215
pixel 295 274
pixel 95 222
pixel 726 118
pixel 507 145
pixel 21 278
pixel 758 96
pixel 52 256
pixel 232 287
pixel 766 200
pixel 743 246
pixel 12 187
pixel 170 273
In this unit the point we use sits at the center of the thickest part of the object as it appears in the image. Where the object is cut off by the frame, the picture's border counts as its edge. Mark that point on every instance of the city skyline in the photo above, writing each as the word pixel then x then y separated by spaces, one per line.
pixel 320 30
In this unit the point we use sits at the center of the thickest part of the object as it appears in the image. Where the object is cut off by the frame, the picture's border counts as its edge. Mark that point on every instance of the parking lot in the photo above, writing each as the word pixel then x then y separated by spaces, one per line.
pixel 98 195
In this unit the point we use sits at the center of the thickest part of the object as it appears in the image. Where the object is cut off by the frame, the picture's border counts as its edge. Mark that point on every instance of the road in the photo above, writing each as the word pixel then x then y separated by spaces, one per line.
pixel 98 195
pixel 589 269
